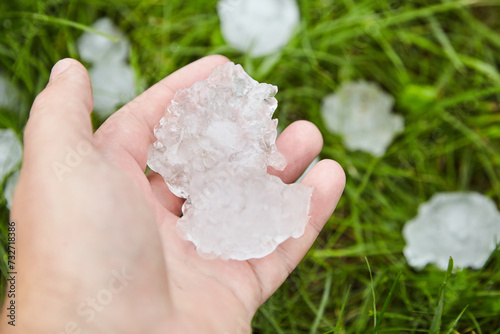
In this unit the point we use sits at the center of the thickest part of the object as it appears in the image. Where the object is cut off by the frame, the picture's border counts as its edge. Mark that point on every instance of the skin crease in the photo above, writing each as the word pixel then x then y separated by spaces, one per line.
pixel 96 246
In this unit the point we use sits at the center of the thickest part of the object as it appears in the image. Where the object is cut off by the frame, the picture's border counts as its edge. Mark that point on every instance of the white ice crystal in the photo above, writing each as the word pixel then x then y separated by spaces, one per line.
pixel 9 95
pixel 213 147
pixel 113 84
pixel 11 152
pixel 463 225
pixel 10 186
pixel 259 27
pixel 361 113
pixel 113 79
pixel 96 48
pixel 241 214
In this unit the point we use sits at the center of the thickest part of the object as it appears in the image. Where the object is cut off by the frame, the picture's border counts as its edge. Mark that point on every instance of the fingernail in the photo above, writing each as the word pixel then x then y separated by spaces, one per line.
pixel 61 66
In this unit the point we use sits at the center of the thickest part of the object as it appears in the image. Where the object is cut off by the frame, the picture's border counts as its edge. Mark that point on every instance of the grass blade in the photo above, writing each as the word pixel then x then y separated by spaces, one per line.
pixel 386 303
pixel 474 321
pixel 446 44
pixel 272 321
pixel 457 320
pixel 322 305
pixel 60 21
pixel 373 294
pixel 436 321
pixel 341 314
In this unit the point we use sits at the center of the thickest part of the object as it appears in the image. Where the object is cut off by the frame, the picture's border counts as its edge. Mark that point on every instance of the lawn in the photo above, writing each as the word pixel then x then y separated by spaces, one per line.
pixel 441 62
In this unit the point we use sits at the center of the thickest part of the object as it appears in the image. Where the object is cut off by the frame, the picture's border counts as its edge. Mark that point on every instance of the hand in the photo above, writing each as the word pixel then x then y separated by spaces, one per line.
pixel 96 240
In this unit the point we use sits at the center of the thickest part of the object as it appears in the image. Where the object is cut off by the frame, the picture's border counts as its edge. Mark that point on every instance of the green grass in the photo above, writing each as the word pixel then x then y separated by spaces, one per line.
pixel 439 59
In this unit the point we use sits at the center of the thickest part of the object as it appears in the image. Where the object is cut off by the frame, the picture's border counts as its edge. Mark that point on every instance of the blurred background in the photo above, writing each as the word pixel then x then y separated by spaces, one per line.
pixel 439 60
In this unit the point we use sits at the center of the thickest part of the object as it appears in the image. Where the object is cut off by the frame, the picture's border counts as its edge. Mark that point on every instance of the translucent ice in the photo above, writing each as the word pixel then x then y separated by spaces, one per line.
pixel 213 147
pixel 259 27
pixel 361 113
pixel 113 84
pixel 113 79
pixel 241 214
pixel 463 225
pixel 223 119
pixel 11 152
pixel 96 48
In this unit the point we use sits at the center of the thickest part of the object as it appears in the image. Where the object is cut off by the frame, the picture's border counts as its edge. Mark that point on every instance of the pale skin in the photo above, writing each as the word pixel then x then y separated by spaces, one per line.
pixel 86 212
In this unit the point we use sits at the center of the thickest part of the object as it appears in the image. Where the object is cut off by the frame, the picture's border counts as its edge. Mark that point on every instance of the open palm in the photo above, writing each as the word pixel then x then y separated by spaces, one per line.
pixel 114 218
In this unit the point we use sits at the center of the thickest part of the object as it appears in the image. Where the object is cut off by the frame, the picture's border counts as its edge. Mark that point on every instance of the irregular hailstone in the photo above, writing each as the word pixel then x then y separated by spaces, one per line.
pixel 259 27
pixel 213 147
pixel 113 79
pixel 9 95
pixel 113 85
pixel 11 152
pixel 10 186
pixel 361 113
pixel 463 225
pixel 95 48
pixel 239 213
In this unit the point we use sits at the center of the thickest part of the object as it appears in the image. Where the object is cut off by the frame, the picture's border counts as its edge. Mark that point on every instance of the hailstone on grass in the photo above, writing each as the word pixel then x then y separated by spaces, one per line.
pixel 10 186
pixel 113 79
pixel 95 48
pixel 463 225
pixel 113 85
pixel 259 27
pixel 11 152
pixel 213 147
pixel 360 112
pixel 9 95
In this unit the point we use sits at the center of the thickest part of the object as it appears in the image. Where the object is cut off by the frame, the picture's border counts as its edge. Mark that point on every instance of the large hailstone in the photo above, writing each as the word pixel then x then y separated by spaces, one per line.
pixel 361 113
pixel 113 79
pixel 11 152
pixel 96 48
pixel 259 27
pixel 213 147
pixel 463 225
pixel 113 85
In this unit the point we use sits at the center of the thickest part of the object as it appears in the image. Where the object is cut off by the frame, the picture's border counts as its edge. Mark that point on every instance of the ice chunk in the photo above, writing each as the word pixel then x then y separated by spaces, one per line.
pixel 10 186
pixel 361 113
pixel 96 48
pixel 11 152
pixel 9 95
pixel 113 85
pixel 223 119
pixel 213 147
pixel 113 80
pixel 259 27
pixel 463 225
pixel 241 214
